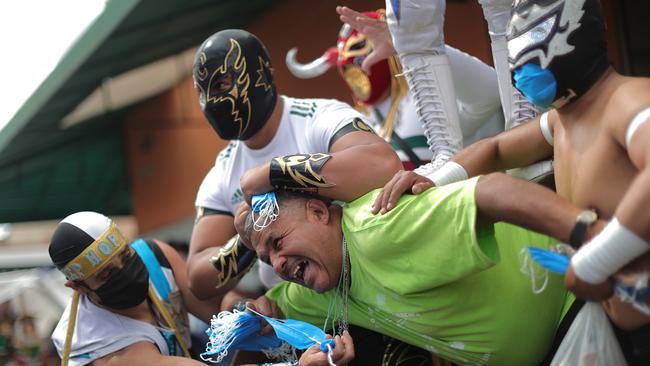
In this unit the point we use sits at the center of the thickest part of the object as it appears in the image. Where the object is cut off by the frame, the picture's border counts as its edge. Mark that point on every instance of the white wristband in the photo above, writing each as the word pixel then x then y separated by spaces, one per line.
pixel 606 253
pixel 450 172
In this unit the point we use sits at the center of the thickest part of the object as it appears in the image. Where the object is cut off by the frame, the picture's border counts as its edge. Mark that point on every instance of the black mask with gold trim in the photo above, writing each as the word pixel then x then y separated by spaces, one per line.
pixel 233 75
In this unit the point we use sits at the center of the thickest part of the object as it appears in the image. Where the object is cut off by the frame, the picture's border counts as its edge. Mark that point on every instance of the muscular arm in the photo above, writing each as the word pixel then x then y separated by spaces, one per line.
pixel 517 147
pixel 210 233
pixel 514 148
pixel 360 162
pixel 633 211
pixel 143 353
pixel 500 197
pixel 202 309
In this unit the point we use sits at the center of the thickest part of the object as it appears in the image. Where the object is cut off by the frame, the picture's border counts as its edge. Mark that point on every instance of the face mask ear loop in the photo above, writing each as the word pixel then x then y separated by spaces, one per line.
pixel 330 352
pixel 285 352
pixel 528 268
pixel 222 327
pixel 72 320
pixel 267 209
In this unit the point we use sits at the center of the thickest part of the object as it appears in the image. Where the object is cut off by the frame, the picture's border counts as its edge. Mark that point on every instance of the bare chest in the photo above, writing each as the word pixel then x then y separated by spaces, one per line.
pixel 591 169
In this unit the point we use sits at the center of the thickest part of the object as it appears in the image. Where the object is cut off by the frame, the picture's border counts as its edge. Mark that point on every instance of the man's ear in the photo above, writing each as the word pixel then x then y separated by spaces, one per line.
pixel 317 210
pixel 75 286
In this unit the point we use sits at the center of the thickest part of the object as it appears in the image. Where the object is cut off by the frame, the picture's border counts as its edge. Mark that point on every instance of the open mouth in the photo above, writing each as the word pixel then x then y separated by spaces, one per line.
pixel 298 273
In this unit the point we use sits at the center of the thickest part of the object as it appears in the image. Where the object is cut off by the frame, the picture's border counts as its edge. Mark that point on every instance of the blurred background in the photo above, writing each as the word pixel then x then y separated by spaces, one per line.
pixel 98 112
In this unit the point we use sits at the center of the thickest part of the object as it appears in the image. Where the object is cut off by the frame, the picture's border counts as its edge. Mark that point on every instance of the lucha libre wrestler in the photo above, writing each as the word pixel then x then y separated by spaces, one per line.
pixel 597 128
pixel 301 144
pixel 383 96
pixel 304 142
pixel 417 30
pixel 131 300
pixel 434 108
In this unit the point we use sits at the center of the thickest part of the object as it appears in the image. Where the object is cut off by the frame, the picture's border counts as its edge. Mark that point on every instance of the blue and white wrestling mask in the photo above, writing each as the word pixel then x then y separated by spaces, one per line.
pixel 562 41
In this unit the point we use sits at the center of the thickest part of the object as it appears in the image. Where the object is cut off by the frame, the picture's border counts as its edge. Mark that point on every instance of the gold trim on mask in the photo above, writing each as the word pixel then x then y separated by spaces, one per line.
pixel 347 51
pixel 358 81
pixel 239 90
pixel 261 74
pixel 96 255
pixel 202 72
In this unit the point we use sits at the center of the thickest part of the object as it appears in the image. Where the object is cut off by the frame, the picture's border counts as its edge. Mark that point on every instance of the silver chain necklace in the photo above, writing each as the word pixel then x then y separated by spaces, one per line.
pixel 340 297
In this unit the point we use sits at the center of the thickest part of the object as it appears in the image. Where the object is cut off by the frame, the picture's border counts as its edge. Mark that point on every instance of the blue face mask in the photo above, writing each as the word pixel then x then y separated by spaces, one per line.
pixel 536 84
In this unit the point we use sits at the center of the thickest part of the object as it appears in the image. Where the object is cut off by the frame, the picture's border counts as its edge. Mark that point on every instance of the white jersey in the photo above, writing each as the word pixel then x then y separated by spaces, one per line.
pixel 306 126
pixel 99 332
pixel 407 126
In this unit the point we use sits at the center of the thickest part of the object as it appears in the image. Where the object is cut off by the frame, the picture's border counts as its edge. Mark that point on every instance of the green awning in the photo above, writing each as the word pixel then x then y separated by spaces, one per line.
pixel 46 171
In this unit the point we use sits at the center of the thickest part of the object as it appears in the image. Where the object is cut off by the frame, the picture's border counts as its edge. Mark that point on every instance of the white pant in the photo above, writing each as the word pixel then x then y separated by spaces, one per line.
pixel 419 28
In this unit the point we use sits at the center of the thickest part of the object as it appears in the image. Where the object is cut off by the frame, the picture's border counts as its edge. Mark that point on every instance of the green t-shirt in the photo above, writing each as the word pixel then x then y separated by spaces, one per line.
pixel 424 275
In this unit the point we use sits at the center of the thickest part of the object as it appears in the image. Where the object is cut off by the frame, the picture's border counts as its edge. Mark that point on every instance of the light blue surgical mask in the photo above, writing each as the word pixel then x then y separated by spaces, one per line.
pixel 536 84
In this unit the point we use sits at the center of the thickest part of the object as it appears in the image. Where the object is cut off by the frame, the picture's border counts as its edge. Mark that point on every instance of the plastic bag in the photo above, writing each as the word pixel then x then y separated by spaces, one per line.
pixel 590 341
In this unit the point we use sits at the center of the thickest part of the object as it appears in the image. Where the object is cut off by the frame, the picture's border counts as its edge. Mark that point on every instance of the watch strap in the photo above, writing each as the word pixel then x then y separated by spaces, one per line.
pixel 583 221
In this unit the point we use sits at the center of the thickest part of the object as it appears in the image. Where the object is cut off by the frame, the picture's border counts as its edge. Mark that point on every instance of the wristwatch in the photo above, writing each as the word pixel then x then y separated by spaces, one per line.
pixel 583 221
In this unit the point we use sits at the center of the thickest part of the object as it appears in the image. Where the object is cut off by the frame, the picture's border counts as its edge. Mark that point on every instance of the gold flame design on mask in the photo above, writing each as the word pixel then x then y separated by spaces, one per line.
pixel 233 62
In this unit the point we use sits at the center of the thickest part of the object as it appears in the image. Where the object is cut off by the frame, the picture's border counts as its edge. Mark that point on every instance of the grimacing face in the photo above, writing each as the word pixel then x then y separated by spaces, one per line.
pixel 301 246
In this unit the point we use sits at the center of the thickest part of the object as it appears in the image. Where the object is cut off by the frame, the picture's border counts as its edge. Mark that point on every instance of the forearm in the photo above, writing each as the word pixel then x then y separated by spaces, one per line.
pixel 358 170
pixel 500 197
pixel 632 212
pixel 514 148
pixel 210 234
pixel 346 175
pixel 621 241
pixel 202 275
pixel 203 309
pixel 481 157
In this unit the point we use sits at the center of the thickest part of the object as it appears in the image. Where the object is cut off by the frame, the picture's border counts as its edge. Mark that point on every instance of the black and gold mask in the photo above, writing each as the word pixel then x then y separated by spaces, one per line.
pixel 233 75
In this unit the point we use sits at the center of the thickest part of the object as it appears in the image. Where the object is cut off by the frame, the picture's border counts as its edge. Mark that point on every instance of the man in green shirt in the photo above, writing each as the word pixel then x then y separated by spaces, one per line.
pixel 436 272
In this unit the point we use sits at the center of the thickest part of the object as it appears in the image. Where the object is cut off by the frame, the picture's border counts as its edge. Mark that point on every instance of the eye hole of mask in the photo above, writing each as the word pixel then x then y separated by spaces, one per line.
pixel 221 85
pixel 358 46
pixel 531 38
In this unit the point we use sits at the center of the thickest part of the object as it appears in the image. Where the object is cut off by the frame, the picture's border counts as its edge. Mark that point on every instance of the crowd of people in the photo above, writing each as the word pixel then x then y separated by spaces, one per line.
pixel 386 232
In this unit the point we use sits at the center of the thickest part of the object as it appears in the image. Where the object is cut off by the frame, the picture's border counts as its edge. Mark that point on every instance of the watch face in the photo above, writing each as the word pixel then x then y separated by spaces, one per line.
pixel 587 217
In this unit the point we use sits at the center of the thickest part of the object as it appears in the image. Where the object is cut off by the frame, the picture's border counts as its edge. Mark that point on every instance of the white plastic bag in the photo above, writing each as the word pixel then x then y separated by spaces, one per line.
pixel 590 341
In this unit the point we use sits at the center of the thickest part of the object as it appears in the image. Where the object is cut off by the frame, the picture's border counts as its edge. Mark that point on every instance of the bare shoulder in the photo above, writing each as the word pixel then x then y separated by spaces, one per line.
pixel 171 254
pixel 143 353
pixel 630 96
pixel 140 352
